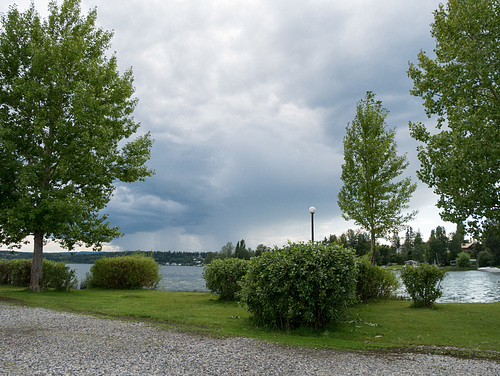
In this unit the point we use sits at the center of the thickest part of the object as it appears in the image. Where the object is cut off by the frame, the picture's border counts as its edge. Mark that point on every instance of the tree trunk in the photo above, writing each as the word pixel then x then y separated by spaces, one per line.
pixel 36 266
pixel 372 246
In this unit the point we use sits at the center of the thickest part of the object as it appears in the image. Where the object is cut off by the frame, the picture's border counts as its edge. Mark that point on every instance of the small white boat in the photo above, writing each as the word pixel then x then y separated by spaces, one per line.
pixel 489 269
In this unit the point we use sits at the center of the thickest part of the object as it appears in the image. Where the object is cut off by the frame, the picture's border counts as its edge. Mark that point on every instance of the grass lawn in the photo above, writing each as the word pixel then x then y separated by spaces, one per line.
pixel 466 329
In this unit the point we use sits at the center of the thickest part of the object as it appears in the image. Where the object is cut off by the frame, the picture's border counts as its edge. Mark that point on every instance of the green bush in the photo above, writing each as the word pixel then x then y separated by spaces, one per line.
pixel 374 282
pixel 58 276
pixel 308 284
pixel 4 273
pixel 55 274
pixel 15 272
pixel 463 260
pixel 222 276
pixel 124 272
pixel 423 283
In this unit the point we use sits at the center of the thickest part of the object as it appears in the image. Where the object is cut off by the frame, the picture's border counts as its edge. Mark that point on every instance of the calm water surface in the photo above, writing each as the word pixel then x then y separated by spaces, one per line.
pixel 468 287
pixel 462 287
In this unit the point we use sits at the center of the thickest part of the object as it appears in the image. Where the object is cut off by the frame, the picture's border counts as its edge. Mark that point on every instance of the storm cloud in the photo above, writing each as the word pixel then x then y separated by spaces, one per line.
pixel 248 103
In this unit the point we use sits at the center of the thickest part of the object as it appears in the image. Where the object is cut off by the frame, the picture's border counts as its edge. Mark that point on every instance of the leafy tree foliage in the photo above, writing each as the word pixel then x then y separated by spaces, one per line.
pixel 358 240
pixel 455 245
pixel 385 254
pixel 64 113
pixel 484 258
pixel 491 240
pixel 370 195
pixel 438 246
pixel 260 249
pixel 419 248
pixel 227 250
pixel 409 244
pixel 461 86
pixel 241 251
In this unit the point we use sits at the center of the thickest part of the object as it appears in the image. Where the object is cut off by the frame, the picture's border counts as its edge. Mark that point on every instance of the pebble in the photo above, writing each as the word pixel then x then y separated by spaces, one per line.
pixel 35 341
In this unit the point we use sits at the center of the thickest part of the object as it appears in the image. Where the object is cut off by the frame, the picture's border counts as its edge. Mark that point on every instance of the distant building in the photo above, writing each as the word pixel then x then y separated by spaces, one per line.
pixel 411 262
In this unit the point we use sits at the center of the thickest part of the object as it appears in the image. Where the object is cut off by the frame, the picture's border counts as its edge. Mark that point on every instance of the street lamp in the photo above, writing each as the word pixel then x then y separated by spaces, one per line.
pixel 312 210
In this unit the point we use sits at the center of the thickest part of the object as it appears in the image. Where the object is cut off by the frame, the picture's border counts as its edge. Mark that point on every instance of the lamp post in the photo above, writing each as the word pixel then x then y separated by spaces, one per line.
pixel 312 210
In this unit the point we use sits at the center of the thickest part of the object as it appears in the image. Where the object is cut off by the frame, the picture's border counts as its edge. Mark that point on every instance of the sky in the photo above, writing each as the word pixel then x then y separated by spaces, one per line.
pixel 248 102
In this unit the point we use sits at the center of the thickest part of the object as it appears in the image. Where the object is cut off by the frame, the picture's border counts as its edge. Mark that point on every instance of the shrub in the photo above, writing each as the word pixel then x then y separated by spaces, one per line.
pixel 222 276
pixel 55 274
pixel 58 276
pixel 15 272
pixel 124 272
pixel 463 260
pixel 423 283
pixel 20 272
pixel 302 284
pixel 374 282
pixel 4 272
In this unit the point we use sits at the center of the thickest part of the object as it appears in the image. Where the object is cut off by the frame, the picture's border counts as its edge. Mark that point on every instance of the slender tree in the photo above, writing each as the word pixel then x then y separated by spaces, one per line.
pixel 455 245
pixel 438 246
pixel 241 250
pixel 65 117
pixel 461 86
pixel 370 195
pixel 419 248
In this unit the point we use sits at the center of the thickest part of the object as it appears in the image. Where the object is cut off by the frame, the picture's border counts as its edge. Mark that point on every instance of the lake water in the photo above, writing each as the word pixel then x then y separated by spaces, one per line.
pixel 468 287
pixel 458 287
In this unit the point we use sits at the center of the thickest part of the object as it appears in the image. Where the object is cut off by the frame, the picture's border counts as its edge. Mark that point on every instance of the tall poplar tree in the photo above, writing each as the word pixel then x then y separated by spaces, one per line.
pixel 370 195
pixel 461 87
pixel 65 127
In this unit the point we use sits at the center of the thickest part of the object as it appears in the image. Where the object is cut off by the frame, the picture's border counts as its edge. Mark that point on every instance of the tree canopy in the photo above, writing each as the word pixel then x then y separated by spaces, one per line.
pixel 65 128
pixel 370 195
pixel 461 161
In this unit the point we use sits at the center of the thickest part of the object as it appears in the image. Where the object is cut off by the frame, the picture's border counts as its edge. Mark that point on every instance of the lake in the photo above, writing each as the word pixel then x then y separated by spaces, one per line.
pixel 471 286
pixel 458 287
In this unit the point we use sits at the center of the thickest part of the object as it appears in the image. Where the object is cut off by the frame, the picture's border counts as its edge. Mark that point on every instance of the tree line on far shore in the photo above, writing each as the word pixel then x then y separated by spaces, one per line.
pixel 440 248
pixel 161 257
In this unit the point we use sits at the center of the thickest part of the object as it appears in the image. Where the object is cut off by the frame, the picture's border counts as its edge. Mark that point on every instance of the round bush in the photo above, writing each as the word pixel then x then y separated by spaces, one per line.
pixel 222 276
pixel 125 272
pixel 463 260
pixel 307 284
pixel 374 282
pixel 423 283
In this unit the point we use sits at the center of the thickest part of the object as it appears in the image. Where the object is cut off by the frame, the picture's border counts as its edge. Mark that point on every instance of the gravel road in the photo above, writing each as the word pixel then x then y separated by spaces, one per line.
pixel 36 341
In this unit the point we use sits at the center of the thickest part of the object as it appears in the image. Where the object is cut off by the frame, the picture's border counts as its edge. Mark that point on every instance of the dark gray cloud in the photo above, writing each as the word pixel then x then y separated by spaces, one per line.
pixel 248 103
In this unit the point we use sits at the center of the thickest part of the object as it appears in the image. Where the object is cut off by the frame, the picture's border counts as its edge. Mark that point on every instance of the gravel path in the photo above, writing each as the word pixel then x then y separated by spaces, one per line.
pixel 36 341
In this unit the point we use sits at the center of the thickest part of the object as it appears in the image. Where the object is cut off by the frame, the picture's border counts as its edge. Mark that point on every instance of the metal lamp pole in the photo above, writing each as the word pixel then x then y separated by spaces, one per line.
pixel 312 210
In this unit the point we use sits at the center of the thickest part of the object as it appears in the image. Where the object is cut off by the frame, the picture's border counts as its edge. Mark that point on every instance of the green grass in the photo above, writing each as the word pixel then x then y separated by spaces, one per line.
pixel 465 329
